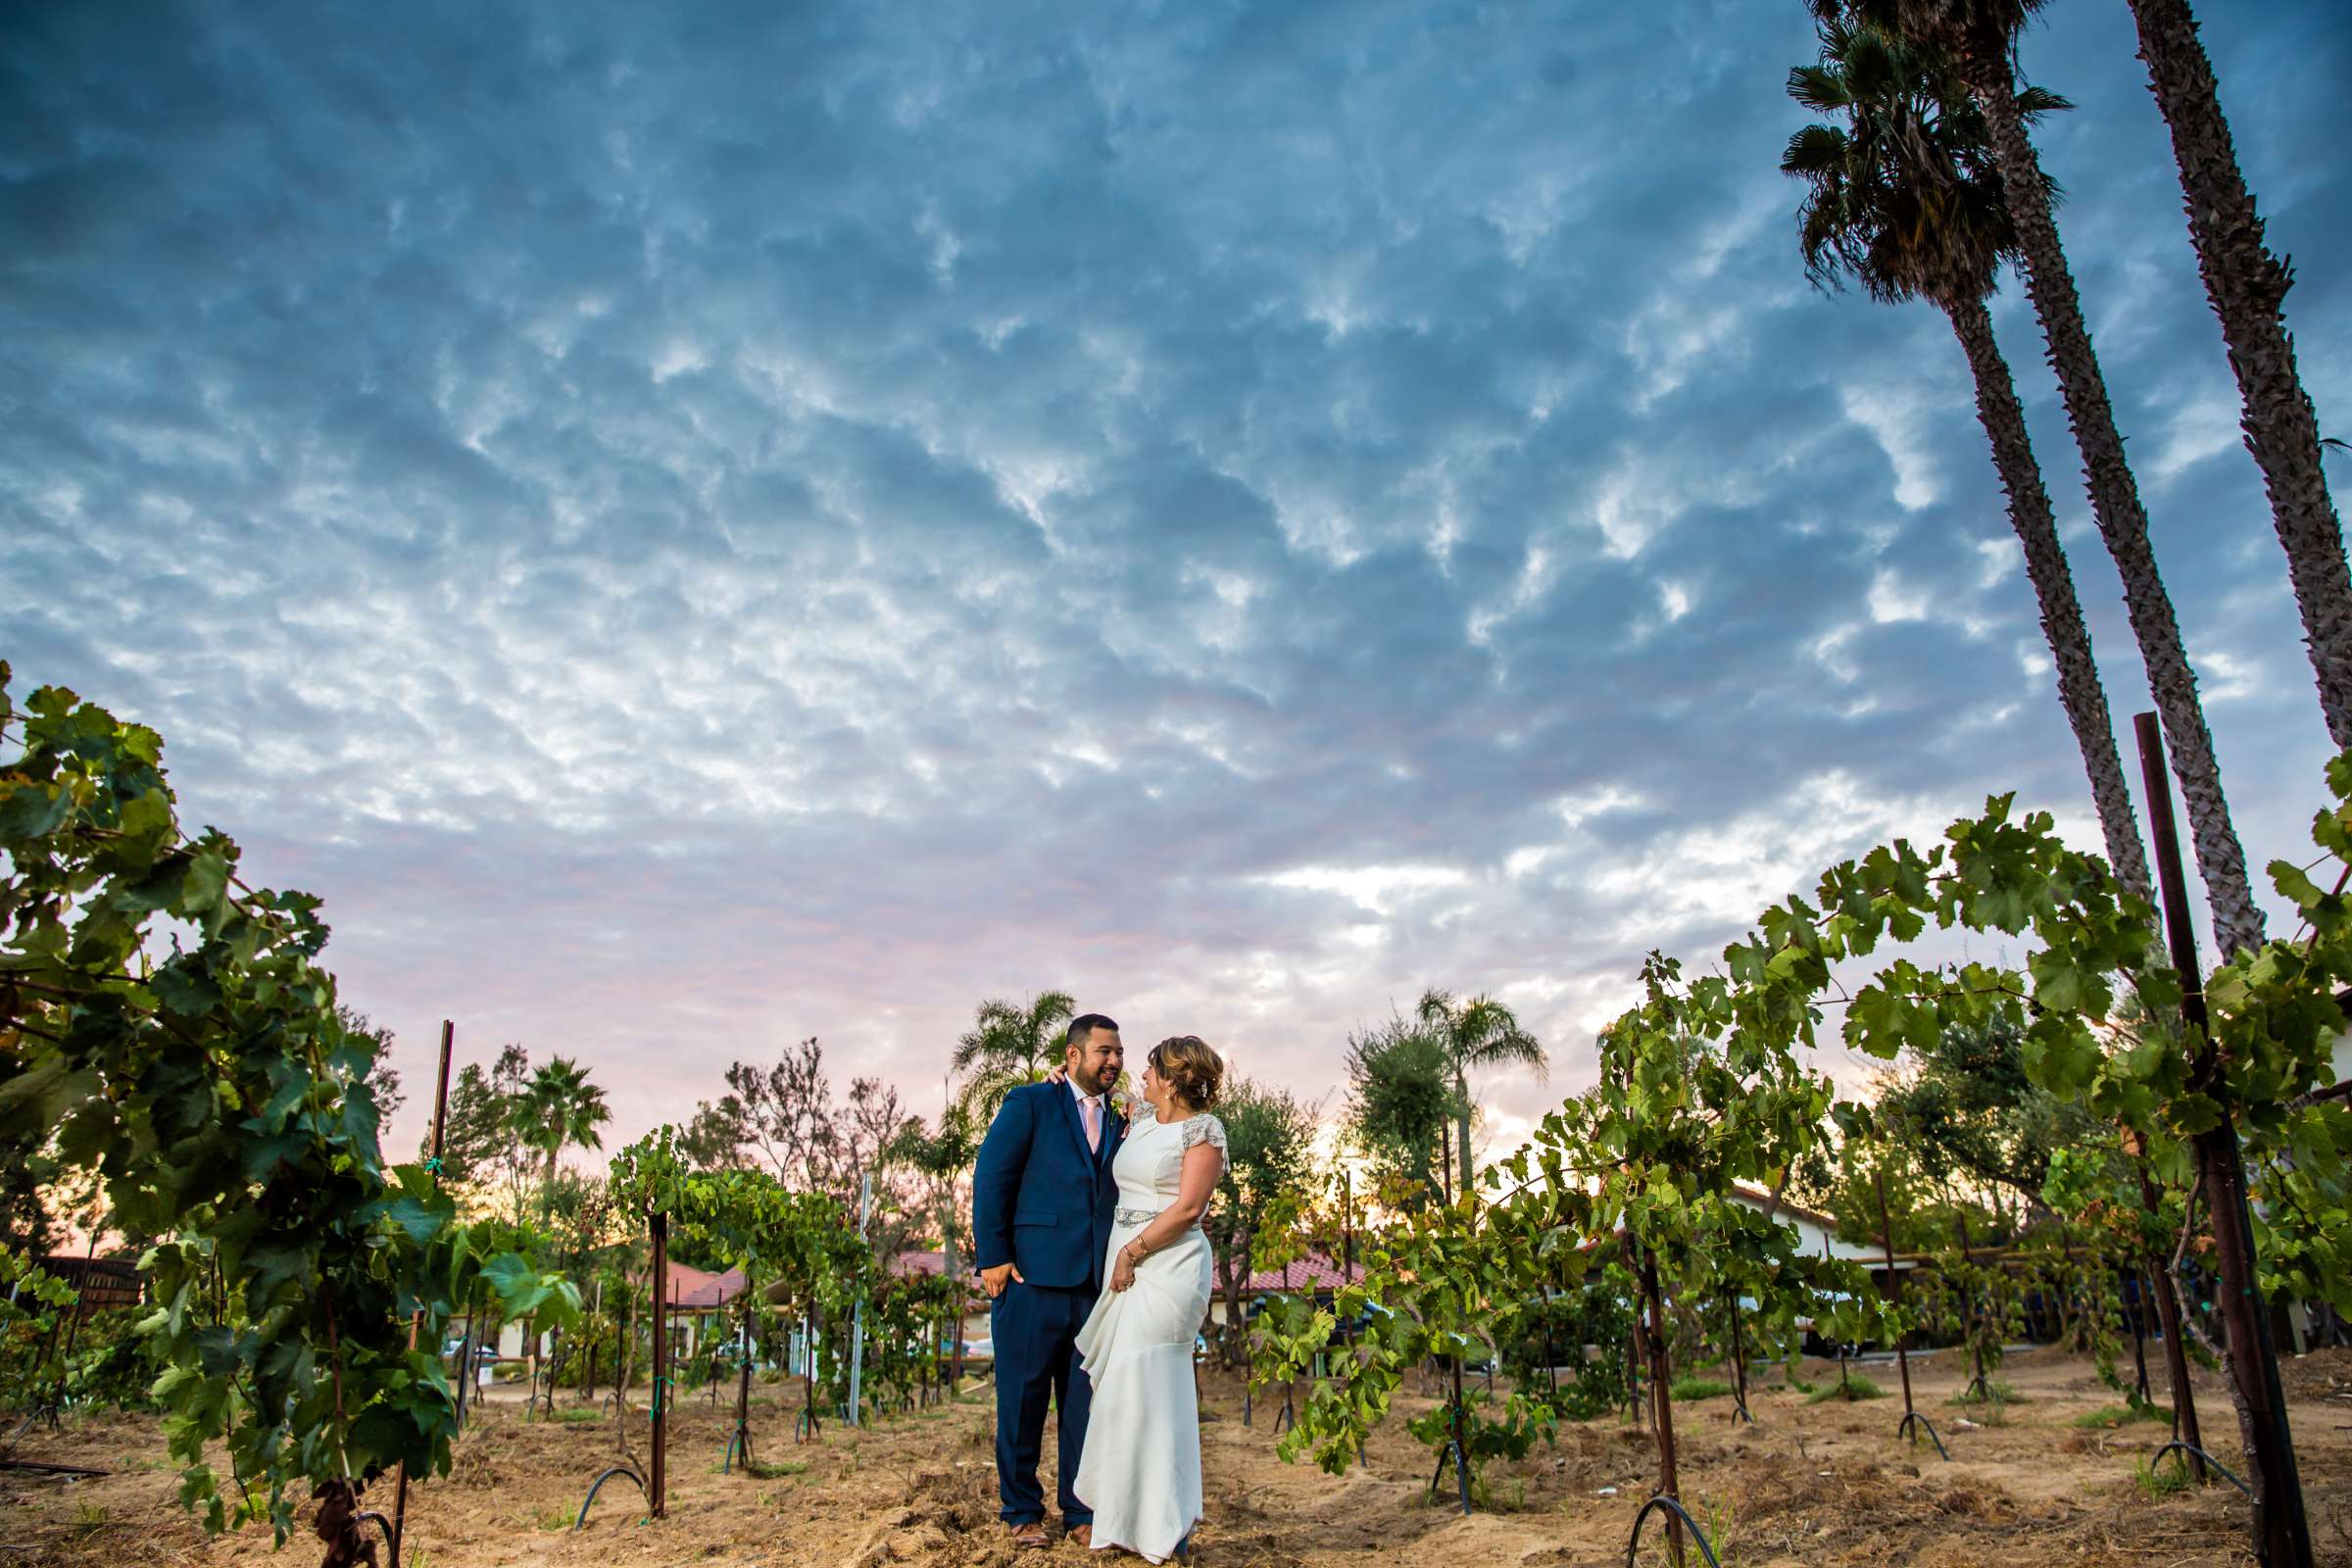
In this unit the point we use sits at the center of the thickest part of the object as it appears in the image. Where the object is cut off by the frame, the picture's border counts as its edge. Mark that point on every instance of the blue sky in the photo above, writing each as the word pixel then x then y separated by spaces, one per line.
pixel 695 526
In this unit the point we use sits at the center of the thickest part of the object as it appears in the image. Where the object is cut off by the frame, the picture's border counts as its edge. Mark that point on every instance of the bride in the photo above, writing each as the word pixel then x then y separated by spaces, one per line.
pixel 1140 1471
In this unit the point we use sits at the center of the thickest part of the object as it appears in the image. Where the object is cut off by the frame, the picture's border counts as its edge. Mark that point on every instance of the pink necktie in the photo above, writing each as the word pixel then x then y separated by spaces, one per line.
pixel 1094 1124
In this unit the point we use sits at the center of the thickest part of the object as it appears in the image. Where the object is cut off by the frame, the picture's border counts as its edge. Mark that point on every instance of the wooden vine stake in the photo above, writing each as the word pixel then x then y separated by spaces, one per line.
pixel 2168 1316
pixel 742 1381
pixel 1895 1288
pixel 2281 1533
pixel 659 1478
pixel 1976 1309
pixel 399 1486
pixel 1661 1397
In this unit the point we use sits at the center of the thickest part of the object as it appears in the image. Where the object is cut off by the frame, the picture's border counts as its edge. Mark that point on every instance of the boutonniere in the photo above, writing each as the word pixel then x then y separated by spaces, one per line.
pixel 1123 1101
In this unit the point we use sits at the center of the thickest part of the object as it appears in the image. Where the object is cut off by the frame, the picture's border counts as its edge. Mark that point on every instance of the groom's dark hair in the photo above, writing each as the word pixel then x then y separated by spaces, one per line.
pixel 1082 1028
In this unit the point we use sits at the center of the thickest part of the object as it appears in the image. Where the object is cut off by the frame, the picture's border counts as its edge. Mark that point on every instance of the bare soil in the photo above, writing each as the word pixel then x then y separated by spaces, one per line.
pixel 1809 1483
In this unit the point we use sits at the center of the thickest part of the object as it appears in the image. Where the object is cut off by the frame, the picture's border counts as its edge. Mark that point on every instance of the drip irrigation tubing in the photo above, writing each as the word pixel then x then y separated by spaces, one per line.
pixel 2187 1448
pixel 597 1486
pixel 1913 1423
pixel 1633 1544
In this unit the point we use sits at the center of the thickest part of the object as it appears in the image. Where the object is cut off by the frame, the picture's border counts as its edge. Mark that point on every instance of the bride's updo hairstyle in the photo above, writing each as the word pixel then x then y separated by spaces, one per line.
pixel 1192 1071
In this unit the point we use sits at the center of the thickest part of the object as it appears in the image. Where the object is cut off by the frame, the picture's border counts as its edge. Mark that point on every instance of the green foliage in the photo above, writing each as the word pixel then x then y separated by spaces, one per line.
pixel 1401 1094
pixel 1267 1188
pixel 1009 1044
pixel 33 1303
pixel 2113 1416
pixel 1507 1428
pixel 2161 1481
pixel 113 1363
pixel 1979 1304
pixel 941 1157
pixel 558 1108
pixel 28 1222
pixel 1994 1393
pixel 1969 1112
pixel 908 1318
pixel 1688 1387
pixel 1480 1032
pixel 1701 1089
pixel 747 1219
pixel 1850 1389
pixel 1596 1313
pixel 218 1092
pixel 1902 193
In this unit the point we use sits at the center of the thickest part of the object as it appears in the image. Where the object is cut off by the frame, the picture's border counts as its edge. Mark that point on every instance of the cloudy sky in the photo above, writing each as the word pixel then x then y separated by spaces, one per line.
pixel 692 526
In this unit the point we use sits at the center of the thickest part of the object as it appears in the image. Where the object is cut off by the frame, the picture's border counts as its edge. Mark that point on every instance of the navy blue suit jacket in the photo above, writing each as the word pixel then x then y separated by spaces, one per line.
pixel 1041 1200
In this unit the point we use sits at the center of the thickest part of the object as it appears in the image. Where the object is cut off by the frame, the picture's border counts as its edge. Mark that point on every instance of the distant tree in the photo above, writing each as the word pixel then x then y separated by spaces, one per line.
pixel 1269 1153
pixel 1964 1110
pixel 941 1157
pixel 1009 1046
pixel 559 1108
pixel 780 1114
pixel 583 1219
pixel 786 1116
pixel 480 1150
pixel 1401 1094
pixel 1477 1032
pixel 871 1123
pixel 28 1224
pixel 382 1077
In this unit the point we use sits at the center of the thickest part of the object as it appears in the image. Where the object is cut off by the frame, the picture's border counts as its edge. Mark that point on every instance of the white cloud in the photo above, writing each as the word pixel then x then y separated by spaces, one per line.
pixel 1377 888
pixel 888 513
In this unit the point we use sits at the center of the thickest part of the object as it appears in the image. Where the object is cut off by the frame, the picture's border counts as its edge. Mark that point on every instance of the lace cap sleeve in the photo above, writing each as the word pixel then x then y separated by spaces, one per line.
pixel 1206 1130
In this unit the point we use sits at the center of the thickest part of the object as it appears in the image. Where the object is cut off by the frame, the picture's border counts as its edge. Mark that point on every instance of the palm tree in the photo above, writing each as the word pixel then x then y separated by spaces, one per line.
pixel 1980 37
pixel 1478 1033
pixel 941 1157
pixel 1009 1046
pixel 558 1107
pixel 2247 284
pixel 1902 197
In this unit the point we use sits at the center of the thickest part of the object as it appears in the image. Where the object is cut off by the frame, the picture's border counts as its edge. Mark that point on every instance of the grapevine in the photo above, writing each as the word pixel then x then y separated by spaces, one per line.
pixel 1700 1088
pixel 212 1086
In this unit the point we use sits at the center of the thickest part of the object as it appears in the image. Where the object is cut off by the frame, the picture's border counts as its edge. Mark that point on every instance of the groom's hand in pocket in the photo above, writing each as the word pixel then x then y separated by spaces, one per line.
pixel 993 1280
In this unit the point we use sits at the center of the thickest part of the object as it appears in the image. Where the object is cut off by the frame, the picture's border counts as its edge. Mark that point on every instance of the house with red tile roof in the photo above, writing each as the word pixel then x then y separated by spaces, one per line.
pixel 1311 1273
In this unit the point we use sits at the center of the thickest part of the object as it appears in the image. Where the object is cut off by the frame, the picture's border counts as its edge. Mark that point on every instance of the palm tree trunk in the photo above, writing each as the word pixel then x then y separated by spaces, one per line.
pixel 2080 691
pixel 1461 1095
pixel 2247 284
pixel 2123 521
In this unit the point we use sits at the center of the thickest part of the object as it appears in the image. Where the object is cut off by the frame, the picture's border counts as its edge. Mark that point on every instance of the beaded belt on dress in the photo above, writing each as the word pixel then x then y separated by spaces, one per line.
pixel 1136 1216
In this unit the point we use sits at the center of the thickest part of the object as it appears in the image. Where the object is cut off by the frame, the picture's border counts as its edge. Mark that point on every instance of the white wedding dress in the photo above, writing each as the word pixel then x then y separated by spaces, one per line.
pixel 1140 1471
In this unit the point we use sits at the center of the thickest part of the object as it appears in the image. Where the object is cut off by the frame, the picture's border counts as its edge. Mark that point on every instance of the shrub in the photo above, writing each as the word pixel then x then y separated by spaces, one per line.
pixel 1852 1388
pixel 2119 1416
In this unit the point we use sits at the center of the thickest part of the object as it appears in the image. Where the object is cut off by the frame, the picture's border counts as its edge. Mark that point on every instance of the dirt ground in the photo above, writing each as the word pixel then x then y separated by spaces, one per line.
pixel 1808 1484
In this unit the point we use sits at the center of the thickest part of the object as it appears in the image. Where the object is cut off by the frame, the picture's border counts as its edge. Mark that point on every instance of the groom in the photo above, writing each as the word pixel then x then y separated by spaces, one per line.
pixel 1042 1204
